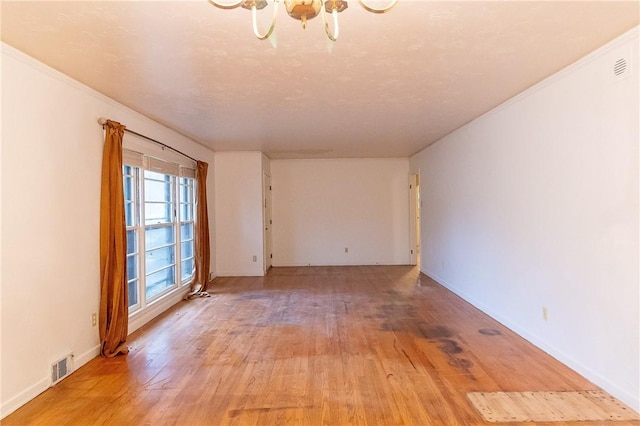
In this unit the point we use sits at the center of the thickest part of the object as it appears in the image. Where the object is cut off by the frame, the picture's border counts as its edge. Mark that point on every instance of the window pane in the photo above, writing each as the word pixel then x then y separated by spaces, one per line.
pixel 186 194
pixel 133 293
pixel 157 213
pixel 186 212
pixel 127 170
pixel 132 267
pixel 128 188
pixel 187 268
pixel 159 258
pixel 186 249
pixel 157 191
pixel 158 237
pixel 132 241
pixel 160 281
pixel 155 175
pixel 186 231
pixel 129 214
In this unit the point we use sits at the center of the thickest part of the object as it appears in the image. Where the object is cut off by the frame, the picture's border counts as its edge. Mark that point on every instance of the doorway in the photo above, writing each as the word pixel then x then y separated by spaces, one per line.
pixel 414 218
pixel 267 221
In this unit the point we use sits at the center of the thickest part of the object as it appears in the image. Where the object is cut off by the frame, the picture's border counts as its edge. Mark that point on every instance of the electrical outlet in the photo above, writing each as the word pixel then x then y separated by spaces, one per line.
pixel 545 313
pixel 94 319
pixel 255 258
pixel 346 249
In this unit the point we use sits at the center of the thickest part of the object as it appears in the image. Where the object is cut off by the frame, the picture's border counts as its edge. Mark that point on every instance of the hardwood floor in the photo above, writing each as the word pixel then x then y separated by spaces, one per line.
pixel 378 345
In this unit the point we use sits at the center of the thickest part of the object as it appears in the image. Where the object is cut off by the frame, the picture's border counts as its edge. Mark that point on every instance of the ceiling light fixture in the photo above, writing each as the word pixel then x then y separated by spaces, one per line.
pixel 302 10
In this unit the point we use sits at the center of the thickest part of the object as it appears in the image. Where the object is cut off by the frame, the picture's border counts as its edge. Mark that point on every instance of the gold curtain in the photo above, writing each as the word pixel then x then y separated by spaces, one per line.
pixel 203 249
pixel 114 310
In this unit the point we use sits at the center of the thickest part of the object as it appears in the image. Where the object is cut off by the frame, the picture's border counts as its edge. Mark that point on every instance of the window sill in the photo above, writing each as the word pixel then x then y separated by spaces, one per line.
pixel 143 316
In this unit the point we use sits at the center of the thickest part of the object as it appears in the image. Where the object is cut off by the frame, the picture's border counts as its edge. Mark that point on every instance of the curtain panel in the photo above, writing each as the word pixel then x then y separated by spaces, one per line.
pixel 202 243
pixel 114 312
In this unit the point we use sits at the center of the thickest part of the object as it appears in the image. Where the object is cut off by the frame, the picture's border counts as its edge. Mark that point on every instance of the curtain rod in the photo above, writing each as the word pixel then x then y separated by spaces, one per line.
pixel 102 121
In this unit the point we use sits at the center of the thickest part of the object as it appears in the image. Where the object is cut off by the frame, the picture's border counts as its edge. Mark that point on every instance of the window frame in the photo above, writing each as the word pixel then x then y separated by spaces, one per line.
pixel 190 185
pixel 135 228
pixel 140 164
pixel 171 224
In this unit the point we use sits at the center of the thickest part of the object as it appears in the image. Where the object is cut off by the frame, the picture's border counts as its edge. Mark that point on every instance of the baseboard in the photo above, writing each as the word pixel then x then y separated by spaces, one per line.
pixel 381 263
pixel 23 397
pixel 79 360
pixel 42 385
pixel 622 394
pixel 240 274
pixel 82 359
pixel 297 265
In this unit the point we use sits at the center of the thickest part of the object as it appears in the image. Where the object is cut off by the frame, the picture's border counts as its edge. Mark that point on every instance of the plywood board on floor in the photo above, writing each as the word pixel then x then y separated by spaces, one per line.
pixel 593 405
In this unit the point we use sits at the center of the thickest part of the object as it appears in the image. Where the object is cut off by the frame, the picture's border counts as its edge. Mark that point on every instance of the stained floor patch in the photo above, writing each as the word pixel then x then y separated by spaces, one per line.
pixel 434 332
pixel 489 332
pixel 501 407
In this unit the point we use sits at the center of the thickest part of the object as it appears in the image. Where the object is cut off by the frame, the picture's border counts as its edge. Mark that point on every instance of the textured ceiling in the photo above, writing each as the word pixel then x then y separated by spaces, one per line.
pixel 391 85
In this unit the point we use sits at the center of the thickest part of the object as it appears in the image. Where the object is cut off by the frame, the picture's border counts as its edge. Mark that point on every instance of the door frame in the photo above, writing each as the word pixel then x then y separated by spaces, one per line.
pixel 267 222
pixel 414 218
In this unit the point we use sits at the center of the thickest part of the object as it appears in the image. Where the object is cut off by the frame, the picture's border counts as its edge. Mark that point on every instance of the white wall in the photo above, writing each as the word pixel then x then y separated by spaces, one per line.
pixel 238 200
pixel 51 165
pixel 322 206
pixel 535 204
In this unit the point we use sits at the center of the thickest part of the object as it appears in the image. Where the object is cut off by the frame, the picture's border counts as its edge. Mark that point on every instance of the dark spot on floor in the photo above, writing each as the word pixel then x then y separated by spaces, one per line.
pixel 449 346
pixel 386 326
pixel 489 332
pixel 434 332
pixel 461 363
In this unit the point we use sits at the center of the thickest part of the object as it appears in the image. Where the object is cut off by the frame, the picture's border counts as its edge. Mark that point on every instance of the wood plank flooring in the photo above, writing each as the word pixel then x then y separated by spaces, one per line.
pixel 377 345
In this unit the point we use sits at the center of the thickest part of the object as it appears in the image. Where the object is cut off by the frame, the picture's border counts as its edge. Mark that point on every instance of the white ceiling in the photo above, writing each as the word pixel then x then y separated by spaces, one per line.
pixel 391 85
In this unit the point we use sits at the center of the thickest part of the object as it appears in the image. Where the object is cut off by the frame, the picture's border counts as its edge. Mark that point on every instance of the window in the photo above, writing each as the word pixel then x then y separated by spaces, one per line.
pixel 130 175
pixel 159 209
pixel 186 227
